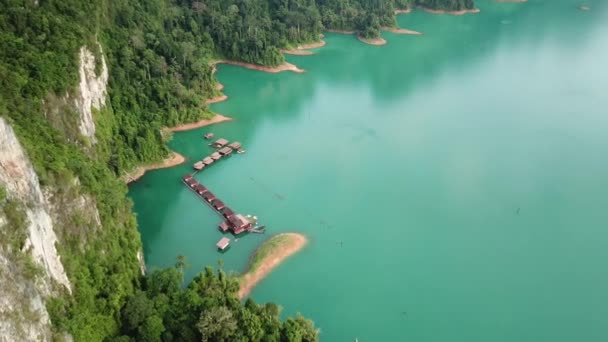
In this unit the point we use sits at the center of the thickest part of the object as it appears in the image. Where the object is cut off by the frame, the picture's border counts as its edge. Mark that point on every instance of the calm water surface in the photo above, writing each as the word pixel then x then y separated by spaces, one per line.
pixel 452 185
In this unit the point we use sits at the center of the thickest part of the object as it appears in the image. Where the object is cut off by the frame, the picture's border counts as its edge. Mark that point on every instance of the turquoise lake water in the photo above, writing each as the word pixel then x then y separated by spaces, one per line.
pixel 453 186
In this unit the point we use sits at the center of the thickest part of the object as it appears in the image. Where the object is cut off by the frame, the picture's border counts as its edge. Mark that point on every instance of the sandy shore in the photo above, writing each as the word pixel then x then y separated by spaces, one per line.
pixel 216 99
pixel 461 12
pixel 202 123
pixel 301 50
pixel 400 30
pixel 293 243
pixel 403 11
pixel 283 67
pixel 341 31
pixel 173 160
pixel 373 41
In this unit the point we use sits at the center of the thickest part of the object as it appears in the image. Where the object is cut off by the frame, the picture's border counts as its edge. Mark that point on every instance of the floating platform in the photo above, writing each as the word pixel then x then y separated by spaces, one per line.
pixel 223 243
pixel 215 156
pixel 221 142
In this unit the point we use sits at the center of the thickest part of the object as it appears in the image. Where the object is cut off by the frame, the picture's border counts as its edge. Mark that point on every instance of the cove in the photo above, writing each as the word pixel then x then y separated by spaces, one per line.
pixel 452 186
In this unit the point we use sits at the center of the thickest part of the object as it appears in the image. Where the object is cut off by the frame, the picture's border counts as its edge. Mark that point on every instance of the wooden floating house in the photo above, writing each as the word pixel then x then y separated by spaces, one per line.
pixel 199 165
pixel 224 227
pixel 215 156
pixel 208 196
pixel 235 145
pixel 239 224
pixel 225 151
pixel 223 243
pixel 217 204
pixel 227 212
pixel 208 161
pixel 200 189
pixel 221 142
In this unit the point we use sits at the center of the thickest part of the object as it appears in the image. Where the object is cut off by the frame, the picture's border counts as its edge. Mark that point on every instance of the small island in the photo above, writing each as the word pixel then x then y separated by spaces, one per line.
pixel 268 256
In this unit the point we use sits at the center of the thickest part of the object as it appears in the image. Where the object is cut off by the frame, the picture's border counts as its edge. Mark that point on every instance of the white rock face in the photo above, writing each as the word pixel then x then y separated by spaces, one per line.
pixel 92 91
pixel 23 316
pixel 21 182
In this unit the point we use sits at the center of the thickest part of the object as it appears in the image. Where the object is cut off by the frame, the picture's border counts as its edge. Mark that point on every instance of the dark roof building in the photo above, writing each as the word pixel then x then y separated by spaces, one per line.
pixel 227 212
pixel 238 223
pixel 225 151
pixel 217 204
pixel 208 196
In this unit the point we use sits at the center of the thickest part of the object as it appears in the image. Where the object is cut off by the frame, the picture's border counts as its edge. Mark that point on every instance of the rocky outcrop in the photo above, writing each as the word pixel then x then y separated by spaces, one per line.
pixel 17 176
pixel 22 310
pixel 92 91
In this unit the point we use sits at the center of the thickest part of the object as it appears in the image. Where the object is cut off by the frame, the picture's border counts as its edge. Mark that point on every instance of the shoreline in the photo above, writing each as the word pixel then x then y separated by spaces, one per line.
pixel 216 99
pixel 287 245
pixel 301 50
pixel 372 41
pixel 173 160
pixel 283 67
pixel 340 31
pixel 217 118
pixel 404 11
pixel 460 12
pixel 400 30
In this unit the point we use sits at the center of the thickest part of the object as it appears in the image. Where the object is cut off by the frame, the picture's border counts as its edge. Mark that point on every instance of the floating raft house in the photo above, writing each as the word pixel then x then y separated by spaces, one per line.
pixel 224 227
pixel 227 212
pixel 221 142
pixel 208 161
pixel 216 156
pixel 199 165
pixel 235 145
pixel 239 224
pixel 223 243
pixel 217 204
pixel 225 151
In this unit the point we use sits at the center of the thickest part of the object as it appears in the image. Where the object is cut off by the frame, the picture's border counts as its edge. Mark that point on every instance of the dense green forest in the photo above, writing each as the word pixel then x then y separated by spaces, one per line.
pixel 158 54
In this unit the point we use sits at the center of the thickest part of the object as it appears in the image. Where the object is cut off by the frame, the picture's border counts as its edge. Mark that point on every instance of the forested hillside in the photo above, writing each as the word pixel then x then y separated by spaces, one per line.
pixel 158 54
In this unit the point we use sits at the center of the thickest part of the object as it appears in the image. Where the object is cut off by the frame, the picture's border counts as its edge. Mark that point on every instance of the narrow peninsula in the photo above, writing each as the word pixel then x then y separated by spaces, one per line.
pixel 268 256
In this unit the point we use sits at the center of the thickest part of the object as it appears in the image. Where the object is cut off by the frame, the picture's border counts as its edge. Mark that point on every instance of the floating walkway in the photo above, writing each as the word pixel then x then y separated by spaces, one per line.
pixel 233 222
pixel 223 150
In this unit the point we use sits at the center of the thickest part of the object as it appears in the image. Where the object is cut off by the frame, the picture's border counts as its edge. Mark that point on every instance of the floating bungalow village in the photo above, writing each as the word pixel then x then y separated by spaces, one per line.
pixel 233 222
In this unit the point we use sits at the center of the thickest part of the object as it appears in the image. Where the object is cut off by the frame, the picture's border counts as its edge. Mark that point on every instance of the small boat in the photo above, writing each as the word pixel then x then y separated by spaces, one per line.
pixel 208 135
pixel 240 151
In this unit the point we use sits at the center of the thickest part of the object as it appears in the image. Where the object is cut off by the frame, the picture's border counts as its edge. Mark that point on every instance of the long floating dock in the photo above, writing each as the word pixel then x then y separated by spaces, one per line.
pixel 233 222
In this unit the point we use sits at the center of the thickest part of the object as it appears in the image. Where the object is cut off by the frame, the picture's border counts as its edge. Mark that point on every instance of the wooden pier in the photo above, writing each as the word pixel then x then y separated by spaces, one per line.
pixel 233 222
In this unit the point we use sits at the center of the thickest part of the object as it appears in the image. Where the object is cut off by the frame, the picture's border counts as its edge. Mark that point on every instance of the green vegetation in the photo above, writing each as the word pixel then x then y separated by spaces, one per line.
pixel 274 243
pixel 207 309
pixel 158 54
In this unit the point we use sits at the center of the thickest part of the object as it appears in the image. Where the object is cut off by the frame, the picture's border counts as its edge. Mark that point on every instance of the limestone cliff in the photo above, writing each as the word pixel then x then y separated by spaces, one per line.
pixel 30 268
pixel 21 293
pixel 92 91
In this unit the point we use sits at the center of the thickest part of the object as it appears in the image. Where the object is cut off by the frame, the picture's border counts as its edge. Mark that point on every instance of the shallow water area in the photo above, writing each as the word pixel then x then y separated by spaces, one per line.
pixel 451 185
